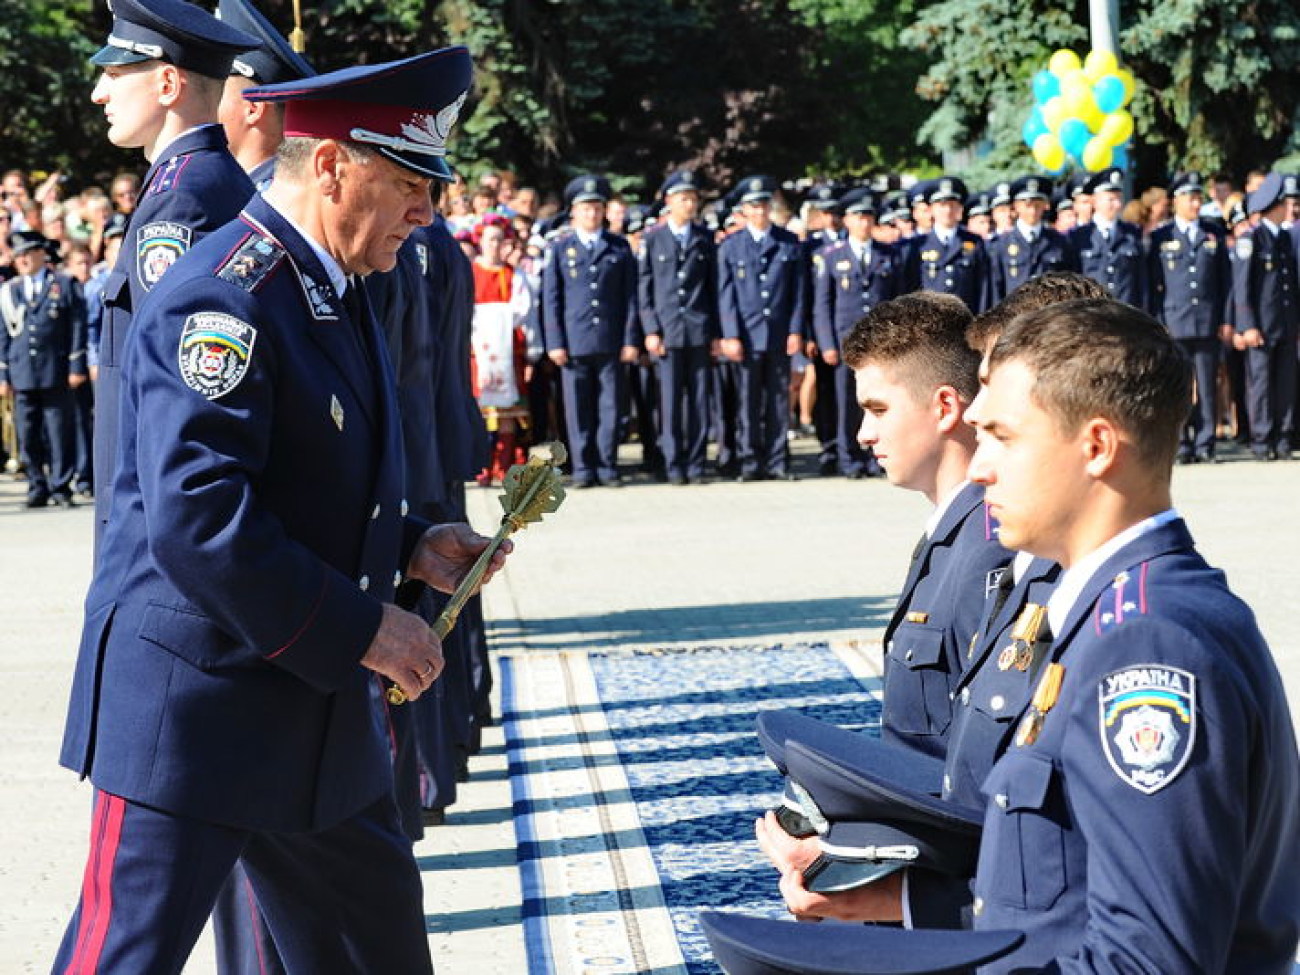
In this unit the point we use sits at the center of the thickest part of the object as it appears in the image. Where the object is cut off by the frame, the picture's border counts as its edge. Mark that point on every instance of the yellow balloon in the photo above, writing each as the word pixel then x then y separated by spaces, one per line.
pixel 1074 84
pixel 1130 84
pixel 1092 116
pixel 1054 112
pixel 1116 128
pixel 1048 152
pixel 1097 154
pixel 1063 62
pixel 1099 63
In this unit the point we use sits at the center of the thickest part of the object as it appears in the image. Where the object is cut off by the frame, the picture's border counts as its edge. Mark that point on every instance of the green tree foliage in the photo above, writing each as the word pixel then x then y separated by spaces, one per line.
pixel 47 120
pixel 1216 90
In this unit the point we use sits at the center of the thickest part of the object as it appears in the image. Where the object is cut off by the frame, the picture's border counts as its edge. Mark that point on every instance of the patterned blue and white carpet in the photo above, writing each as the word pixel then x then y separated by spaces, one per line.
pixel 636 778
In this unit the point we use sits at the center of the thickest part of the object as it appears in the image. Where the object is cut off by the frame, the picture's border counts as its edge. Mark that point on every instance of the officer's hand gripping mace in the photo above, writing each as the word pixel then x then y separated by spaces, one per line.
pixel 531 491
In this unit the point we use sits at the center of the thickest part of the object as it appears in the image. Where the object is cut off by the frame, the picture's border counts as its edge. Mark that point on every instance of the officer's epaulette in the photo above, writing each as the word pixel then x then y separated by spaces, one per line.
pixel 251 262
pixel 1125 599
pixel 169 176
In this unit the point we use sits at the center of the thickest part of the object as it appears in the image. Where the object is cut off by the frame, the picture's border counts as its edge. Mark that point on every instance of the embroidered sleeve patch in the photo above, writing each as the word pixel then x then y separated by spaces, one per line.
pixel 1245 247
pixel 215 352
pixel 157 247
pixel 1147 720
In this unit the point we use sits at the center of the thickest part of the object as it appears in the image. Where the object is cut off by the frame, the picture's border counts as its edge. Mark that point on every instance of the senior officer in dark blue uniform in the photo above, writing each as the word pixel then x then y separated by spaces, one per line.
pixel 1110 250
pixel 1190 281
pixel 762 300
pixel 1029 248
pixel 42 358
pixel 256 129
pixel 193 185
pixel 849 279
pixel 226 699
pixel 589 315
pixel 1159 717
pixel 949 259
pixel 1266 310
pixel 678 289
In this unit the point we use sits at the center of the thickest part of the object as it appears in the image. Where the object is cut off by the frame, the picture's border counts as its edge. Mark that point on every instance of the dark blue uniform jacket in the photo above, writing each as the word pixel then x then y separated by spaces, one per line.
pixel 1154 822
pixel 257 526
pixel 678 287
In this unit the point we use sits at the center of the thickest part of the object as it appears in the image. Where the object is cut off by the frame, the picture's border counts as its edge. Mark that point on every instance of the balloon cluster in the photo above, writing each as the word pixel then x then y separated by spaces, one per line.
pixel 1080 112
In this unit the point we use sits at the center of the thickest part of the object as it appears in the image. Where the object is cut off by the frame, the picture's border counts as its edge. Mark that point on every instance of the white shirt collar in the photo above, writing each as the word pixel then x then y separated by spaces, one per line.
pixel 1076 578
pixel 1104 227
pixel 588 239
pixel 163 151
pixel 1020 565
pixel 941 508
pixel 677 231
pixel 1185 226
pixel 758 235
pixel 1272 227
pixel 333 271
pixel 1028 232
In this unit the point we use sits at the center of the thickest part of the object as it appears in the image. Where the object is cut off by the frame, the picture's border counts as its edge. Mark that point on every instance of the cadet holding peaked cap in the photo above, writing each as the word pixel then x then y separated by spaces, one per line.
pixel 745 945
pixel 259 415
pixel 871 819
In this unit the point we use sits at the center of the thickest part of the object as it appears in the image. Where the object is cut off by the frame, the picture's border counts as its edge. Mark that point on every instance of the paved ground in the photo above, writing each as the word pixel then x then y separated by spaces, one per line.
pixel 645 565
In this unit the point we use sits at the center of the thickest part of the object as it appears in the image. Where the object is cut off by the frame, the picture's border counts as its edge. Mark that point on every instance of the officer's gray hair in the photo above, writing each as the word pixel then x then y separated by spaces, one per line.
pixel 291 158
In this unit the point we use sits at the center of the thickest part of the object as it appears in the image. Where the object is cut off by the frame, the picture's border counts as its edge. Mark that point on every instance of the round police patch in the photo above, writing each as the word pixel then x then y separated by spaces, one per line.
pixel 157 247
pixel 1147 720
pixel 215 352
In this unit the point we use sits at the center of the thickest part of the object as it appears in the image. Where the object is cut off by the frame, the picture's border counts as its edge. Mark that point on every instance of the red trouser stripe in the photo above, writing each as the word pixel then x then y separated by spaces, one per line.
pixel 97 886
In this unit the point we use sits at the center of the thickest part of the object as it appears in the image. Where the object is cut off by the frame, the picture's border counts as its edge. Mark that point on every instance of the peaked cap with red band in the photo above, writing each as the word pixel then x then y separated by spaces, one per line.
pixel 403 109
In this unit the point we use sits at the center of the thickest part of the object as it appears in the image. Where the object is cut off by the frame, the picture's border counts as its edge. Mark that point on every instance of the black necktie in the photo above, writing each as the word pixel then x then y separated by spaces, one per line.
pixel 354 300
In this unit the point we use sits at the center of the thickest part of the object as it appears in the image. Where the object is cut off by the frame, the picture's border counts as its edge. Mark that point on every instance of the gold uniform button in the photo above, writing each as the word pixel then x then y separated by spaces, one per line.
pixel 998 702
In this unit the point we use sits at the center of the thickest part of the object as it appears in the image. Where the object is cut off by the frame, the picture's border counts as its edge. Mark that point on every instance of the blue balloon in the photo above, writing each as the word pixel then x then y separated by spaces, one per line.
pixel 1034 127
pixel 1119 157
pixel 1074 137
pixel 1109 92
pixel 1046 86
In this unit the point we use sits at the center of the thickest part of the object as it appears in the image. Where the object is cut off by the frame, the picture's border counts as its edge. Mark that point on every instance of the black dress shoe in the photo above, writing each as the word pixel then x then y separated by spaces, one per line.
pixel 827 468
pixel 1206 457
pixel 746 476
pixel 614 481
pixel 857 474
pixel 583 483
pixel 677 479
pixel 61 499
pixel 433 816
pixel 38 500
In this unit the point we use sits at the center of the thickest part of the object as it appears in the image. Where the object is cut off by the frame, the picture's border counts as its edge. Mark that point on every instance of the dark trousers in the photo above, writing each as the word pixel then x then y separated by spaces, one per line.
pixel 1198 434
pixel 641 384
pixel 1270 394
pixel 46 439
pixel 724 397
pixel 591 397
pixel 764 412
pixel 684 408
pixel 825 413
pixel 848 422
pixel 343 899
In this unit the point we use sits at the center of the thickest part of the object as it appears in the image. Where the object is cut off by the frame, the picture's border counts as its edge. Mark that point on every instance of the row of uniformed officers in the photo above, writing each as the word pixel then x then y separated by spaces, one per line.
pixel 723 319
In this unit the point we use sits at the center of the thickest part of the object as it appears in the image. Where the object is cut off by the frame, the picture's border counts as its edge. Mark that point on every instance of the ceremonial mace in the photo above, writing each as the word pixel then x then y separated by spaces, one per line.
pixel 531 491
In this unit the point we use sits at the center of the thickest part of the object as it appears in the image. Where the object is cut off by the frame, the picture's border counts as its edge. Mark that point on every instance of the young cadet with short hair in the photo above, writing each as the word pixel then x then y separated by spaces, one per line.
pixel 1145 815
pixel 1147 812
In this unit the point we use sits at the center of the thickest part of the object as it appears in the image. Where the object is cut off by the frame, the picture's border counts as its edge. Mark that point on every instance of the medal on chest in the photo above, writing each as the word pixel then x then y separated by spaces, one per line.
pixel 1046 695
